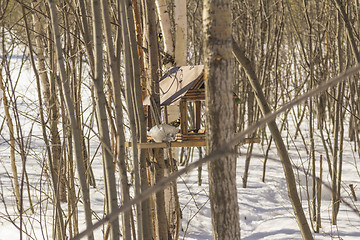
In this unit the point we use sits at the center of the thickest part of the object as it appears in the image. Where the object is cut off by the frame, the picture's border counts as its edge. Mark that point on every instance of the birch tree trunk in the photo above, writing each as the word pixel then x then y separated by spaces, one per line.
pixel 73 122
pixel 172 111
pixel 180 32
pixel 217 19
pixel 58 229
pixel 86 33
pixel 88 43
pixel 164 20
pixel 49 92
pixel 109 173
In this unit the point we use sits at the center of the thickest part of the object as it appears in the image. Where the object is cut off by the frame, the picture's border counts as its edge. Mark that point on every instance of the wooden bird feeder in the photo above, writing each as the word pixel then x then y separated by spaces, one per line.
pixel 182 86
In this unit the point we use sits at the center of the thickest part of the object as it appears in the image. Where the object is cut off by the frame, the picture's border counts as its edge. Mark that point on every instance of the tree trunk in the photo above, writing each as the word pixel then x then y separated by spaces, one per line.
pixel 144 209
pixel 73 122
pixel 158 154
pixel 337 118
pixel 217 21
pixel 108 166
pixel 120 143
pixel 312 210
pixel 180 32
pixel 172 111
pixel 58 232
pixel 49 92
pixel 164 20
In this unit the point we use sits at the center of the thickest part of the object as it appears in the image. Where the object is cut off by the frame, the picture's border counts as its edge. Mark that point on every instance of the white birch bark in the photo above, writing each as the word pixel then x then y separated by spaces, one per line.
pixel 180 32
pixel 172 206
pixel 165 26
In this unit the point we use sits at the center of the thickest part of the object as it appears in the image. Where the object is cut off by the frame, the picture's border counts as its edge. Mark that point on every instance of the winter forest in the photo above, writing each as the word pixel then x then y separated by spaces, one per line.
pixel 179 119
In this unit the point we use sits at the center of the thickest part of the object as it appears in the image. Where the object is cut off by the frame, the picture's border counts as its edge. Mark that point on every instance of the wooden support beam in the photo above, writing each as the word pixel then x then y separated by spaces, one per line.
pixel 197 109
pixel 199 143
pixel 183 117
pixel 189 143
pixel 195 94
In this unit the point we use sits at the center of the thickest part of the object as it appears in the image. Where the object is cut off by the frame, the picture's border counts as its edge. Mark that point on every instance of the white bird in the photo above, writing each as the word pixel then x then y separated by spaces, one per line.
pixel 163 133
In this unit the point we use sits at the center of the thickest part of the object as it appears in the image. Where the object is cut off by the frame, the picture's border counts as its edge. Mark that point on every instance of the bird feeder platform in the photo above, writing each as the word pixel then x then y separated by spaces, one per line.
pixel 180 143
pixel 199 143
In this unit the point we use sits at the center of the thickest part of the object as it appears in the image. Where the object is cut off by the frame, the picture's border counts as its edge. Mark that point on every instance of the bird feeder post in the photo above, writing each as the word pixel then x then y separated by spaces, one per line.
pixel 166 116
pixel 197 115
pixel 183 117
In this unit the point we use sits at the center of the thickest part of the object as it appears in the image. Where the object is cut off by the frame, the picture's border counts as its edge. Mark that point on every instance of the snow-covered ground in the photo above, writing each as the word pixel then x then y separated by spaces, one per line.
pixel 265 209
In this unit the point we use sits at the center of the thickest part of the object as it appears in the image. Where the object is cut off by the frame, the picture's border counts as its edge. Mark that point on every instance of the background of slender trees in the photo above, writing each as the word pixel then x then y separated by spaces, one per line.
pixel 93 61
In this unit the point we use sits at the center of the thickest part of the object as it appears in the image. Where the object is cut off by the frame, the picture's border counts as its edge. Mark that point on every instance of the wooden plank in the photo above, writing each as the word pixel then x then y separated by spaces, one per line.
pixel 194 98
pixel 197 94
pixel 187 143
pixel 194 137
pixel 198 143
pixel 183 117
pixel 195 91
pixel 199 81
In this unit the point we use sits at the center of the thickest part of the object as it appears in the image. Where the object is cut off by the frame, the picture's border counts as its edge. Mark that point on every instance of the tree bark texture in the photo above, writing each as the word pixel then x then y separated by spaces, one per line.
pixel 164 20
pixel 108 166
pixel 180 32
pixel 217 20
pixel 58 230
pixel 49 93
pixel 172 111
pixel 154 76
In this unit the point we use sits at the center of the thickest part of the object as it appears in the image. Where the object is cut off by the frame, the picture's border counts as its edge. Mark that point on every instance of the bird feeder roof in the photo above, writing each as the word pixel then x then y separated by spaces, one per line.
pixel 176 82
